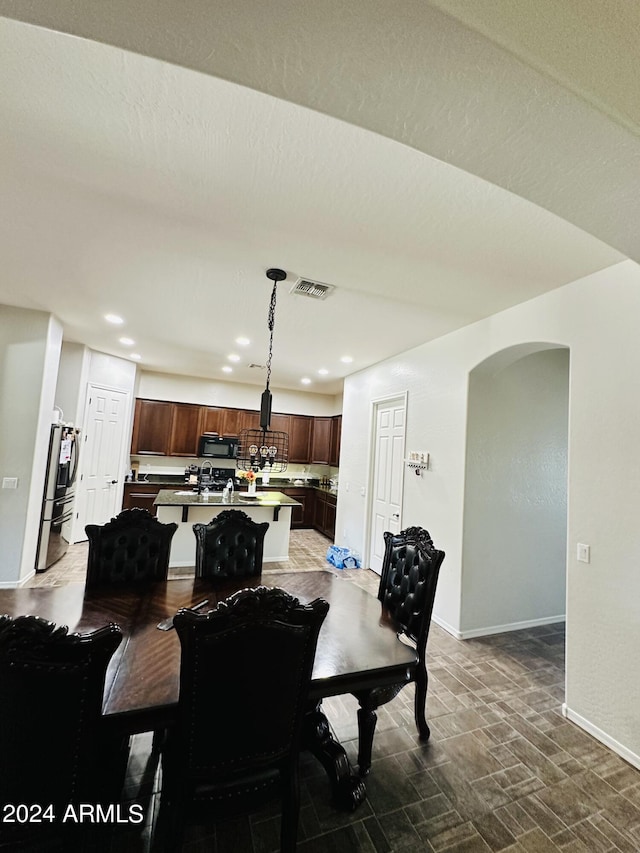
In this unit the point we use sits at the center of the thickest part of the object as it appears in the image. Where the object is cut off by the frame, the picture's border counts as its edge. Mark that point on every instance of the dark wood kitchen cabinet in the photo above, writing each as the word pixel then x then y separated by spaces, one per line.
pixel 280 423
pixel 231 422
pixel 324 513
pixel 248 419
pixel 226 421
pixel 300 431
pixel 336 433
pixel 151 428
pixel 321 441
pixel 164 428
pixel 212 419
pixel 140 495
pixel 301 516
pixel 235 420
pixel 186 427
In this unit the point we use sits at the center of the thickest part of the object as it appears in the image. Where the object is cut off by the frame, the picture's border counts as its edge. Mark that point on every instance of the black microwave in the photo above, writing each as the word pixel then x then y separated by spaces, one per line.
pixel 217 447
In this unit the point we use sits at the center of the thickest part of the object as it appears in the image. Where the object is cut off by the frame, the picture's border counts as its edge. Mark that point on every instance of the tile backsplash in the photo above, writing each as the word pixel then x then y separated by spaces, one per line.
pixel 163 465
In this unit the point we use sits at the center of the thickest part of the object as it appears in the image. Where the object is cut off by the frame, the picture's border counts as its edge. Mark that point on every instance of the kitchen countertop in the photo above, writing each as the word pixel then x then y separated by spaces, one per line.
pixel 176 481
pixel 169 497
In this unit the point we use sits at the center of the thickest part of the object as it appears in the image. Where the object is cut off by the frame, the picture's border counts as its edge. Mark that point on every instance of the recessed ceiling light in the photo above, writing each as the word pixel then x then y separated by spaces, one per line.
pixel 136 356
pixel 243 342
pixel 323 371
pixel 114 318
pixel 346 359
pixel 305 380
pixel 127 342
pixel 227 369
pixel 233 357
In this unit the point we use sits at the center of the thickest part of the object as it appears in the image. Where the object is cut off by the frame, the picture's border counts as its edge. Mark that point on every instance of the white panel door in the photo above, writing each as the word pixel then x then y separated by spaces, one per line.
pixel 388 473
pixel 101 462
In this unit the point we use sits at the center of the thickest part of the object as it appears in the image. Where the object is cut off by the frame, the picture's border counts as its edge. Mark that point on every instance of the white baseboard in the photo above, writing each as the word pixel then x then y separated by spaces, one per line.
pixel 495 629
pixel 603 737
pixel 17 584
pixel 445 625
pixel 512 626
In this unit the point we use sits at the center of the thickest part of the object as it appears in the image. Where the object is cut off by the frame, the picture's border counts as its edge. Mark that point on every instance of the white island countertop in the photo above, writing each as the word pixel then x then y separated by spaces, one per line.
pixel 186 508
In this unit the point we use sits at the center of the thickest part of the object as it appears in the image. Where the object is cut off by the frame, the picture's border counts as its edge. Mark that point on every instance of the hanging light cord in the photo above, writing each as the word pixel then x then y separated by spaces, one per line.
pixel 271 323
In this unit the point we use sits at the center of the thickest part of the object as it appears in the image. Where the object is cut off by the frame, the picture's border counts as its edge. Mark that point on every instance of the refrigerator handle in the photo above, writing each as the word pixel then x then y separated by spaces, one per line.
pixel 75 454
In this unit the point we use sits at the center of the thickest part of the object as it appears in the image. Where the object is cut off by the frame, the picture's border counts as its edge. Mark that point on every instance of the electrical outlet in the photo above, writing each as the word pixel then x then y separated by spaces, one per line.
pixel 584 553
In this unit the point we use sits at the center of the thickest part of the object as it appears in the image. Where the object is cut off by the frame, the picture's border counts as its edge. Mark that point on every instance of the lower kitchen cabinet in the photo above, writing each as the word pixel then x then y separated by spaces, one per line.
pixel 301 516
pixel 140 495
pixel 324 514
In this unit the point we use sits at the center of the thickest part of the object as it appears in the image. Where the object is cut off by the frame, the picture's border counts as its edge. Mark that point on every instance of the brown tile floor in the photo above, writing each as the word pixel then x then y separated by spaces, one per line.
pixel 503 770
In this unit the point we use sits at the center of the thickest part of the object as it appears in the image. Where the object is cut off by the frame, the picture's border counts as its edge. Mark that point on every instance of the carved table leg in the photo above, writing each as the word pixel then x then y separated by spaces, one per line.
pixel 367 719
pixel 347 789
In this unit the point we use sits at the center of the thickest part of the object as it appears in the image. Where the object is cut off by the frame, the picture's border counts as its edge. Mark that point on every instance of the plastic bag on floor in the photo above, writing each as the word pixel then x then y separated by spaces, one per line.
pixel 343 558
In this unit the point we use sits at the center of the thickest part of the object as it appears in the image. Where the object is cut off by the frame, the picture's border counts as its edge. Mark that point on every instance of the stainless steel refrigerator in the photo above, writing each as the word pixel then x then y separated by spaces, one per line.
pixel 59 495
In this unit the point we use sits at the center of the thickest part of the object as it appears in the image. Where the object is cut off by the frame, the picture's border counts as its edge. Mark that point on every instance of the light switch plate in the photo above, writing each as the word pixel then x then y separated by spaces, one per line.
pixel 9 482
pixel 583 553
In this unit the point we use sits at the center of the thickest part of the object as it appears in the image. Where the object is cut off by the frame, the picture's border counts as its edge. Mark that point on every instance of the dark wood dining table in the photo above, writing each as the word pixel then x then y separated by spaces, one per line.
pixel 357 648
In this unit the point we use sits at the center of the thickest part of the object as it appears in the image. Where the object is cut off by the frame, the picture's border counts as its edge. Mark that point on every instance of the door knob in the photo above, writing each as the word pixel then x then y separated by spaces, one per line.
pixel 113 482
pixel 396 515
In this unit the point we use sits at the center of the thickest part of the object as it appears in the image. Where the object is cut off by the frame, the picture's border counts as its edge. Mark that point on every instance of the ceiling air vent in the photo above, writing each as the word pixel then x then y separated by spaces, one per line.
pixel 313 289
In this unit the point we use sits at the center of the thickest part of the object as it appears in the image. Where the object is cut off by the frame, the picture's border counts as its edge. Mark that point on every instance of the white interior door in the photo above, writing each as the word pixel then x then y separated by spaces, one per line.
pixel 388 473
pixel 102 453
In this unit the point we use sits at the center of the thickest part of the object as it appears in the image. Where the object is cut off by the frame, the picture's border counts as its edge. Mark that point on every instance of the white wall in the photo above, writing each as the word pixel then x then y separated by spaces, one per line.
pixel 72 377
pixel 30 344
pixel 208 392
pixel 597 318
pixel 515 505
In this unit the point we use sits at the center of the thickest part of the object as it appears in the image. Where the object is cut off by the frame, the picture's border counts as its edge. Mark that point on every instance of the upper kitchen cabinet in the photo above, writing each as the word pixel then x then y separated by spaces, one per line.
pixel 213 419
pixel 336 433
pixel 300 431
pixel 225 421
pixel 151 428
pixel 165 429
pixel 321 441
pixel 280 423
pixel 248 419
pixel 186 426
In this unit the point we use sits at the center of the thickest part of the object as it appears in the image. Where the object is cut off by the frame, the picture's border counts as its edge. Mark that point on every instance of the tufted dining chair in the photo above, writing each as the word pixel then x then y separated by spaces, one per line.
pixel 245 674
pixel 132 547
pixel 56 750
pixel 410 569
pixel 231 545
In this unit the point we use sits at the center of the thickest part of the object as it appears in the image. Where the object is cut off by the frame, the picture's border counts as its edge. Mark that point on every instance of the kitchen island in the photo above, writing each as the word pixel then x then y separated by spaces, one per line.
pixel 189 508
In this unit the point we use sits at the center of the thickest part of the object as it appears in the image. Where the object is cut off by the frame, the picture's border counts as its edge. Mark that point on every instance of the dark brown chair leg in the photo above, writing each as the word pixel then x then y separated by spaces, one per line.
pixel 421 680
pixel 367 719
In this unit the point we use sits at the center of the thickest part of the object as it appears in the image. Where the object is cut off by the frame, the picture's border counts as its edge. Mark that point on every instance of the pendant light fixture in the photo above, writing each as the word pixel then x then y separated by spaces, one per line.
pixel 264 449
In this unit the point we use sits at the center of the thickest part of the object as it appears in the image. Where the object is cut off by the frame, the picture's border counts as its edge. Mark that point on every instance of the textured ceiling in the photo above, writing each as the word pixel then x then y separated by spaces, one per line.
pixel 340 146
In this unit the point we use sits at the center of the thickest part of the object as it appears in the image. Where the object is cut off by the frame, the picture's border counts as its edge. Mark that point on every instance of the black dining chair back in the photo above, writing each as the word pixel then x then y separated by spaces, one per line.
pixel 231 545
pixel 132 547
pixel 244 683
pixel 410 570
pixel 56 751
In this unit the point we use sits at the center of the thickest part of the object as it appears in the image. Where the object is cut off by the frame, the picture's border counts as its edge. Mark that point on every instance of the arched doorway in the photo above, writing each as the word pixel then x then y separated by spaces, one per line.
pixel 515 507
